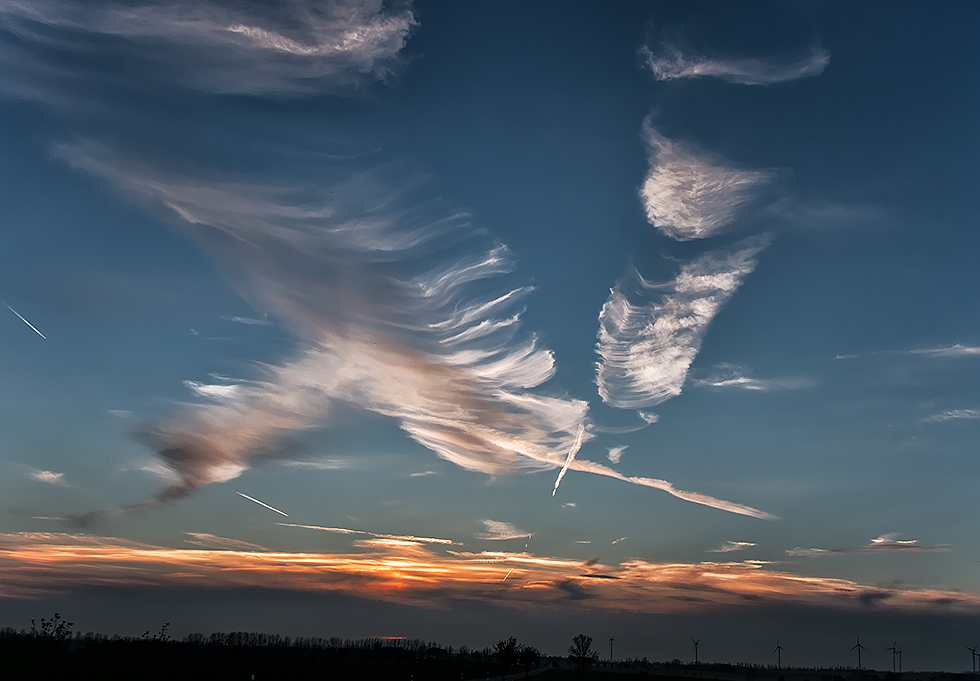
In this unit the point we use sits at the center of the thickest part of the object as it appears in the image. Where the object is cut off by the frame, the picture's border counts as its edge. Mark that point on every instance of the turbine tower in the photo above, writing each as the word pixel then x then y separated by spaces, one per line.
pixel 695 649
pixel 900 658
pixel 779 655
pixel 611 639
pixel 973 656
pixel 894 654
pixel 859 649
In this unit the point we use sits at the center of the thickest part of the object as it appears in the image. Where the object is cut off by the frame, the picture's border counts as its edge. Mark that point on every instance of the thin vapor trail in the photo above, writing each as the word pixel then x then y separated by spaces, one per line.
pixel 571 455
pixel 507 575
pixel 262 504
pixel 26 322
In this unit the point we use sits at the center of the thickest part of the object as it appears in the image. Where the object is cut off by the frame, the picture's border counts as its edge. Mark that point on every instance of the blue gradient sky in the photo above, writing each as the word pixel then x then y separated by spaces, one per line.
pixel 192 203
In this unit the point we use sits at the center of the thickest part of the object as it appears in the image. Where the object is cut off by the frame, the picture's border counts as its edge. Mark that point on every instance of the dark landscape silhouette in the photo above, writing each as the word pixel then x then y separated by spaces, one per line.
pixel 51 650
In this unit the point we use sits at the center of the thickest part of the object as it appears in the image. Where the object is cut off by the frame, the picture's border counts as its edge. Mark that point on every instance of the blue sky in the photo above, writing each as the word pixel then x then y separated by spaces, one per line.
pixel 392 269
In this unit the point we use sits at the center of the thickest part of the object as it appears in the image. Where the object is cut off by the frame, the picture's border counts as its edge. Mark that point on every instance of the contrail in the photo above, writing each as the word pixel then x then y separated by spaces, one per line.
pixel 571 455
pixel 507 575
pixel 261 504
pixel 26 322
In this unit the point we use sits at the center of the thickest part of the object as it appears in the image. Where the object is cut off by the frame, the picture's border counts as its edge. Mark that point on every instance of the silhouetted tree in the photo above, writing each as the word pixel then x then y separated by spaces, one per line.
pixel 528 656
pixel 581 653
pixel 506 654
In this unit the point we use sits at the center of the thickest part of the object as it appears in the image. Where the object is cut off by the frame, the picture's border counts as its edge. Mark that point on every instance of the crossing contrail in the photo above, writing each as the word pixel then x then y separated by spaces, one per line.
pixel 261 504
pixel 26 322
pixel 571 455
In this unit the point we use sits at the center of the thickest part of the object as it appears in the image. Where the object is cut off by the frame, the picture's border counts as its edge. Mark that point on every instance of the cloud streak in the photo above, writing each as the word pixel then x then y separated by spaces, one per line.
pixel 729 546
pixel 48 477
pixel 668 62
pixel 728 376
pixel 886 543
pixel 292 48
pixel 650 333
pixel 953 415
pixel 688 194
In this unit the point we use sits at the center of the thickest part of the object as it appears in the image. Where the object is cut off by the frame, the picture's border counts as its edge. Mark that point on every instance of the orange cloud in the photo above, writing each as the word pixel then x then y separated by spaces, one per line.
pixel 403 571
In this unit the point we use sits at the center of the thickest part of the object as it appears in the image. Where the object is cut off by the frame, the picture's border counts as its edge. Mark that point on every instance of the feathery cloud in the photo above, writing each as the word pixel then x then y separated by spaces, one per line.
pixel 688 195
pixel 397 313
pixel 293 48
pixel 648 341
pixel 616 453
pixel 729 546
pixel 500 531
pixel 670 63
pixel 886 543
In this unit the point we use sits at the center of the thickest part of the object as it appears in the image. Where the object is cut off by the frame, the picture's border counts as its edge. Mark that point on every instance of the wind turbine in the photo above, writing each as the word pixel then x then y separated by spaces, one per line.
pixel 973 656
pixel 900 658
pixel 779 655
pixel 695 649
pixel 859 649
pixel 894 654
pixel 611 639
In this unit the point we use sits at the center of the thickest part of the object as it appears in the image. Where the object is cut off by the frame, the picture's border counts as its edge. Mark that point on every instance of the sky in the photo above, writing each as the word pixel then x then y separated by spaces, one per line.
pixel 462 320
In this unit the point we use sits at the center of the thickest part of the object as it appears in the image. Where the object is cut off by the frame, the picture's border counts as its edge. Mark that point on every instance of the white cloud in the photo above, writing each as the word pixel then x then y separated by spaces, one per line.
pixel 48 477
pixel 730 376
pixel 333 464
pixel 670 63
pixel 953 415
pixel 422 474
pixel 621 539
pixel 729 546
pixel 213 391
pixel 616 453
pixel 499 531
pixel 650 333
pixel 688 195
pixel 297 47
pixel 569 504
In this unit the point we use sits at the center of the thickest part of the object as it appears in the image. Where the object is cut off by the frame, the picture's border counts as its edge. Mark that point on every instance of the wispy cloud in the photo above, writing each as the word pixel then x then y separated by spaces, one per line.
pixel 731 376
pixel 621 539
pixel 957 350
pixel 49 477
pixel 616 453
pixel 886 543
pixel 297 48
pixel 330 464
pixel 500 531
pixel 249 321
pixel 729 546
pixel 688 194
pixel 668 62
pixel 410 574
pixel 650 333
pixel 422 474
pixel 953 415
pixel 210 541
